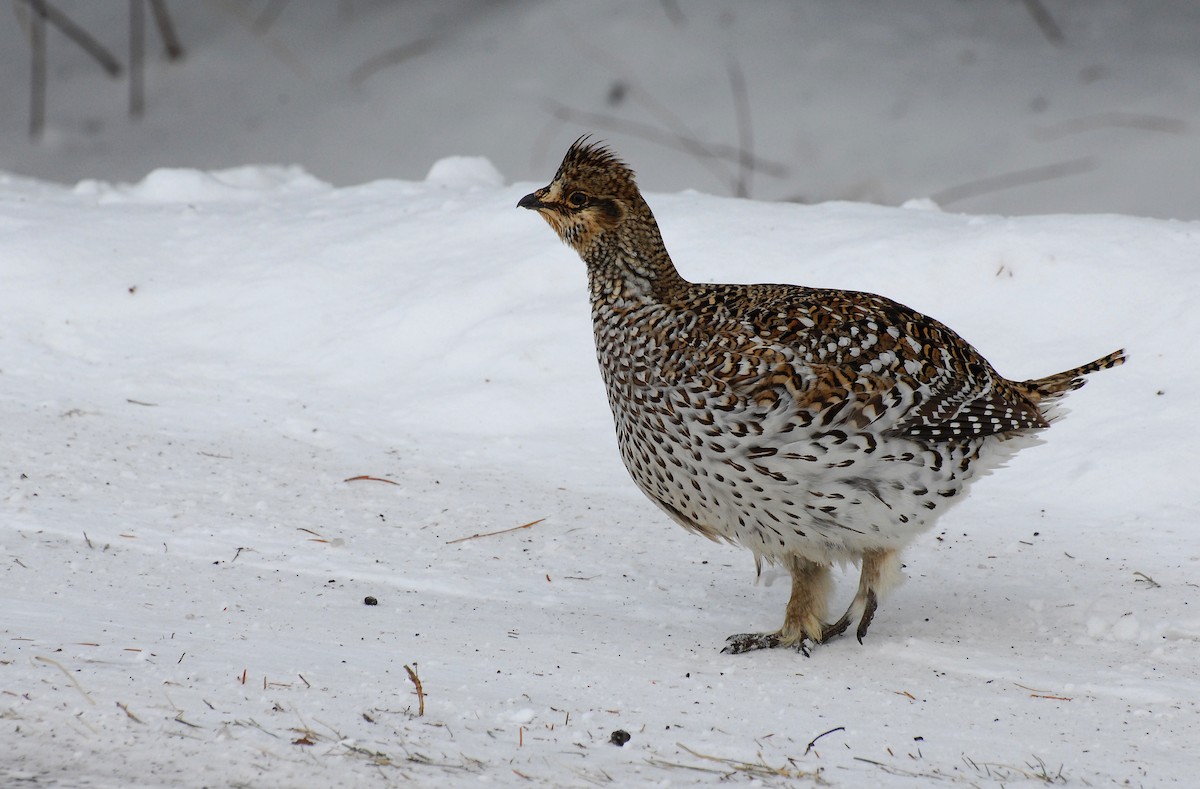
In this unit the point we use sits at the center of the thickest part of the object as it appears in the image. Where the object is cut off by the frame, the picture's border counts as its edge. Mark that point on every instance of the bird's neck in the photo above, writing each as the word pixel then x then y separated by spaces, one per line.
pixel 629 263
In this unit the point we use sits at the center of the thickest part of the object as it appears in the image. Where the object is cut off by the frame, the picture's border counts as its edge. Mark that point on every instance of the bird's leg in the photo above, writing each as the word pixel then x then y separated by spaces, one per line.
pixel 880 572
pixel 803 623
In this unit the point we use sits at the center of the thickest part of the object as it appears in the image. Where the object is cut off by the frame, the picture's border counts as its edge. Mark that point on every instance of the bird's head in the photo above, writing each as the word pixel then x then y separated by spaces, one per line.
pixel 591 195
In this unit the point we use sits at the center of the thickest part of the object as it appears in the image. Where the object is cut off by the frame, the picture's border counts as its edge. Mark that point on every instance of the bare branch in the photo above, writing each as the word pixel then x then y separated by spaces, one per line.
pixel 268 16
pixel 741 106
pixel 37 71
pixel 166 30
pixel 391 57
pixel 1045 22
pixel 43 9
pixel 997 183
pixel 137 59
pixel 703 151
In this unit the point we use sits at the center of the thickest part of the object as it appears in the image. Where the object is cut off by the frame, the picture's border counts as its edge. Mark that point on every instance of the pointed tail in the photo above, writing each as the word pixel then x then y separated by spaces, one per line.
pixel 1054 386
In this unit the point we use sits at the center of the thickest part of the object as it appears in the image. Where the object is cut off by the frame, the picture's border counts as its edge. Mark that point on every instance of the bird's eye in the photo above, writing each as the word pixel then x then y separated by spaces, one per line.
pixel 577 199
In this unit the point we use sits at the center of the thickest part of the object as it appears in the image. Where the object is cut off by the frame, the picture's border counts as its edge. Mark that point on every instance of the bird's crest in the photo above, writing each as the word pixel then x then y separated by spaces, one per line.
pixel 593 168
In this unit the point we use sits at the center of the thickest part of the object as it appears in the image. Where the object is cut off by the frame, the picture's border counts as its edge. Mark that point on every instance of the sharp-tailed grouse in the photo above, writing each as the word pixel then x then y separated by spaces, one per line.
pixel 811 426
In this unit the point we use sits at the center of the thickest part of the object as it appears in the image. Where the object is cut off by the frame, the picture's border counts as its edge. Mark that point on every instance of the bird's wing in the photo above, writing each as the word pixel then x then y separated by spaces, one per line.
pixel 880 365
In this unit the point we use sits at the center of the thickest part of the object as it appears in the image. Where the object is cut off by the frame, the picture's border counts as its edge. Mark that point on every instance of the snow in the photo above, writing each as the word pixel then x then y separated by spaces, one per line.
pixel 288 344
pixel 199 365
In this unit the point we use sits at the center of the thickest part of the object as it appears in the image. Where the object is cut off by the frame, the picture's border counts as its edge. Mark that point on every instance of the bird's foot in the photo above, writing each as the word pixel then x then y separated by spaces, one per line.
pixel 749 642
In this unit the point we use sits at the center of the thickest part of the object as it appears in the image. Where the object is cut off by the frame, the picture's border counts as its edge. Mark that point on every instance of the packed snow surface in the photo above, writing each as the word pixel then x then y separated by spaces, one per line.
pixel 237 404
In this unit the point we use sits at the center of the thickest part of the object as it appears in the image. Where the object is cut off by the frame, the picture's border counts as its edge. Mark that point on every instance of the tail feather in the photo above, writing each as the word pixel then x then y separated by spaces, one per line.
pixel 1054 386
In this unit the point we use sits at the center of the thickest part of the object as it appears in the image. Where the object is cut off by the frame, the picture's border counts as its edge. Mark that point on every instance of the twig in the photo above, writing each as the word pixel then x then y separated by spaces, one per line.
pixel 997 183
pixel 362 477
pixel 416 681
pixel 703 151
pixel 37 70
pixel 273 44
pixel 67 674
pixel 137 52
pixel 49 13
pixel 813 741
pixel 166 30
pixel 391 57
pixel 1045 22
pixel 268 16
pixel 671 130
pixel 1112 120
pixel 673 12
pixel 494 533
pixel 741 106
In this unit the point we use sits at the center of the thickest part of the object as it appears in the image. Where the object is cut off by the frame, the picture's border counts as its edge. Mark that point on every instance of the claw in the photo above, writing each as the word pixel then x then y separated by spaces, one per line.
pixel 836 629
pixel 749 642
pixel 868 615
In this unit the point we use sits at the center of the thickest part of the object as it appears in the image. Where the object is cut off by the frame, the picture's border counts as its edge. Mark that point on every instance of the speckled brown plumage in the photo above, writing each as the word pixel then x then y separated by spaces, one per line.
pixel 811 426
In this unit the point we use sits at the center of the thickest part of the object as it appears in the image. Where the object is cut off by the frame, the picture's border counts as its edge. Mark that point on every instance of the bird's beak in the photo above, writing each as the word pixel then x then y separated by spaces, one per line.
pixel 532 200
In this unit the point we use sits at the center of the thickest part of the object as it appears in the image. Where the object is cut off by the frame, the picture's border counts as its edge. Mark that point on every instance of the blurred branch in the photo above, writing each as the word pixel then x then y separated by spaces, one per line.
pixel 273 45
pixel 741 105
pixel 137 59
pixel 391 57
pixel 166 30
pixel 701 150
pixel 681 138
pixel 42 9
pixel 37 71
pixel 1110 120
pixel 997 183
pixel 268 16
pixel 674 12
pixel 1045 22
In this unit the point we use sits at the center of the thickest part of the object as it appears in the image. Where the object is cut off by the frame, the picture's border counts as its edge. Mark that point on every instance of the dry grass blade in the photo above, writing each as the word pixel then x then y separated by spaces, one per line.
pixel 416 681
pixel 66 674
pixel 367 478
pixel 125 709
pixel 759 768
pixel 1143 578
pixel 494 533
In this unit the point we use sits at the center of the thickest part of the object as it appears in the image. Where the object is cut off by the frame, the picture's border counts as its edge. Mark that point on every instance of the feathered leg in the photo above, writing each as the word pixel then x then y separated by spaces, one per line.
pixel 880 572
pixel 803 623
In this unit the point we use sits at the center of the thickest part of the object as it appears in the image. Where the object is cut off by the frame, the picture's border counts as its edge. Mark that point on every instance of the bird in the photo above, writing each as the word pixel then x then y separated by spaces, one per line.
pixel 812 426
